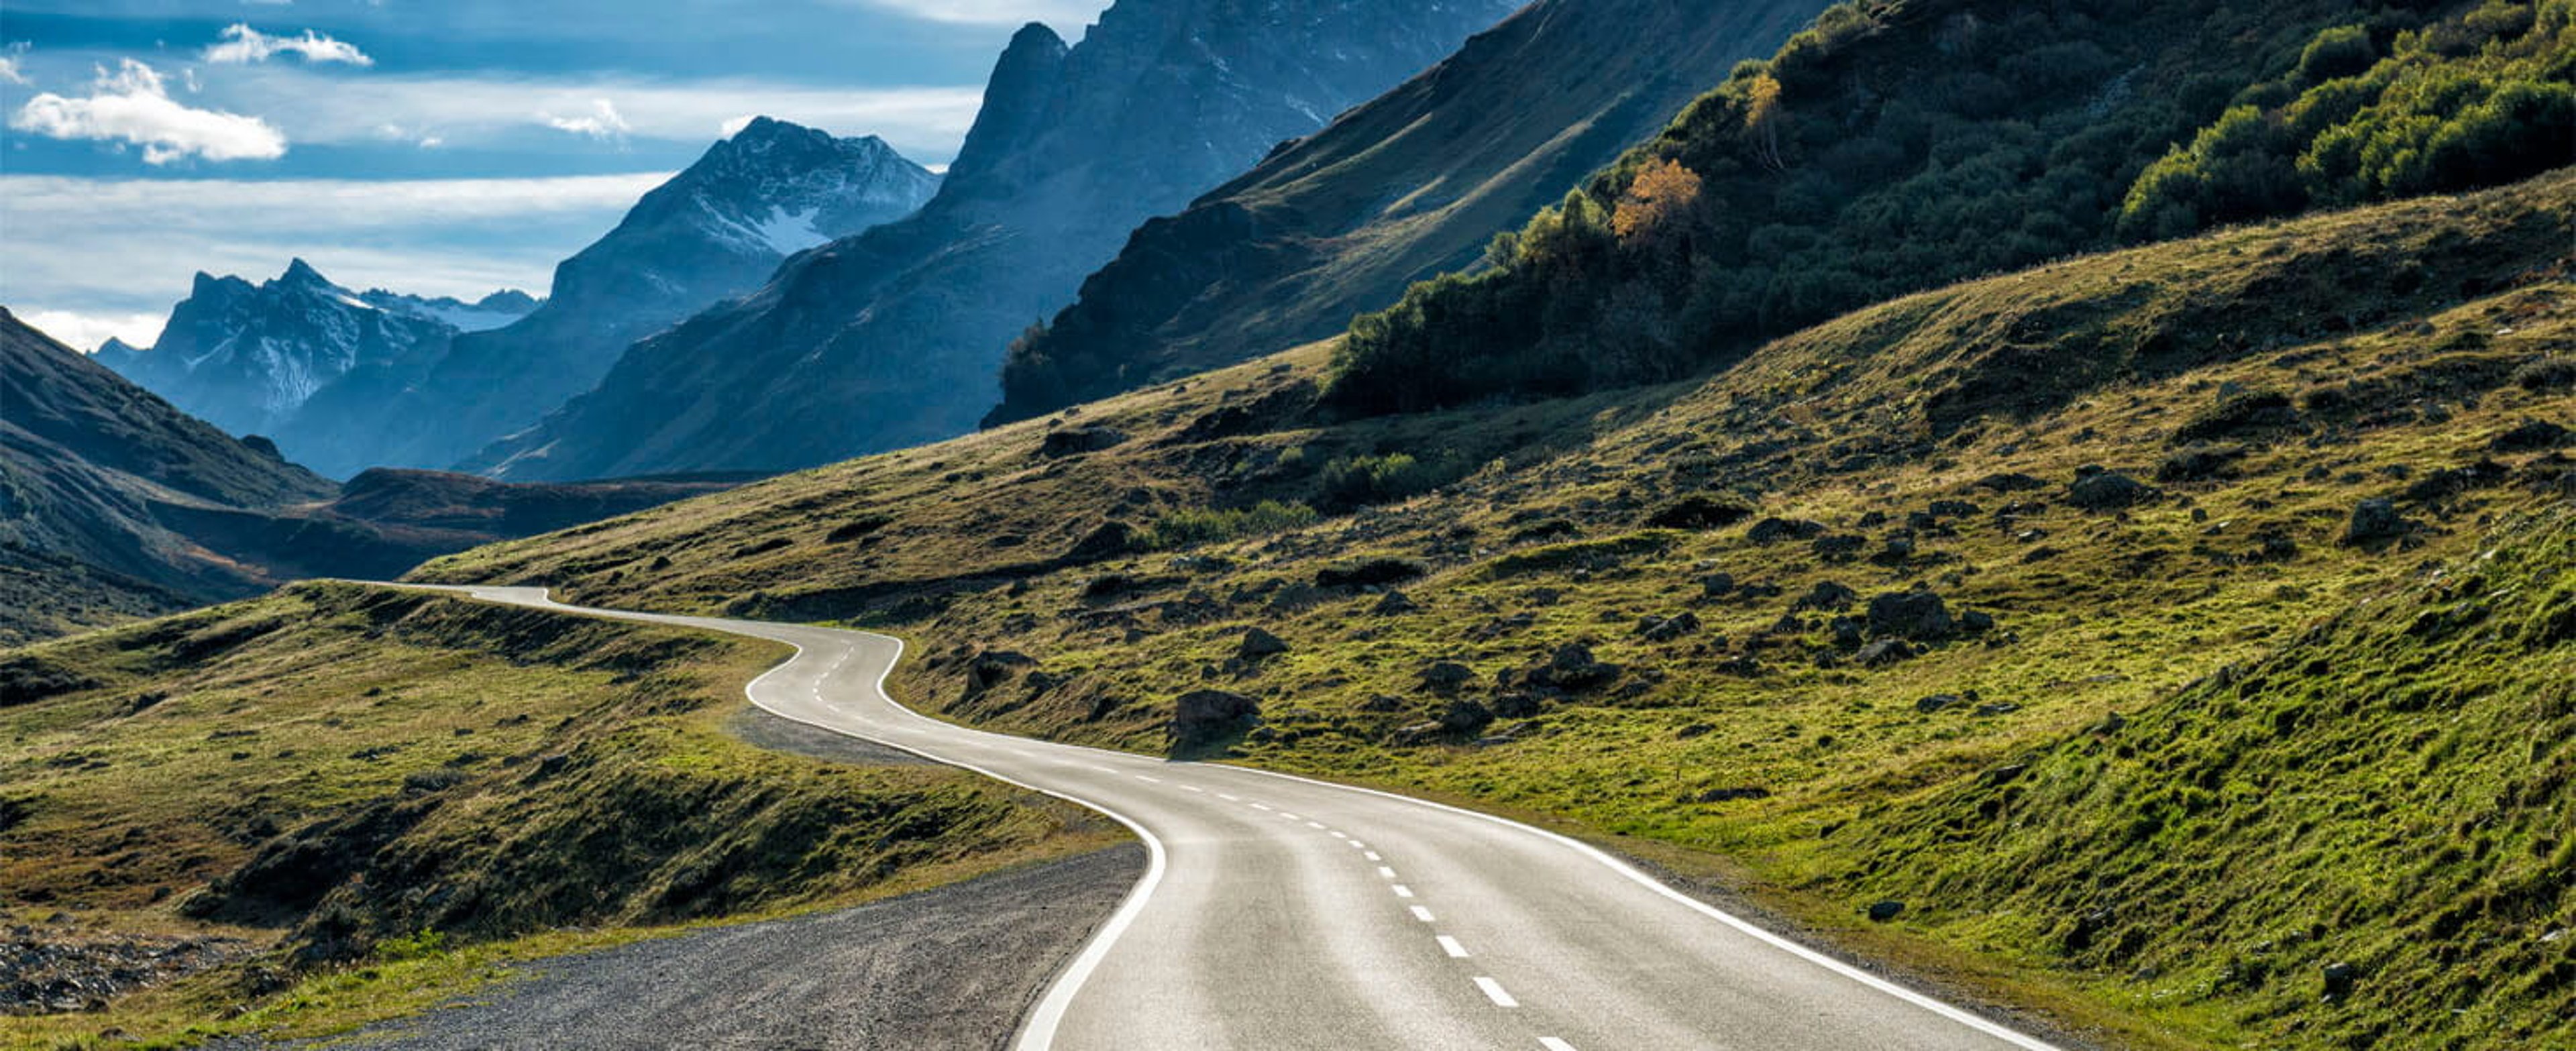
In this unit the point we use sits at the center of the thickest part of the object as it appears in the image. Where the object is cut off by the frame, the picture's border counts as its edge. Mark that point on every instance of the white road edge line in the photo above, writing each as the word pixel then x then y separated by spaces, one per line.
pixel 1494 992
pixel 1038 1033
pixel 1450 945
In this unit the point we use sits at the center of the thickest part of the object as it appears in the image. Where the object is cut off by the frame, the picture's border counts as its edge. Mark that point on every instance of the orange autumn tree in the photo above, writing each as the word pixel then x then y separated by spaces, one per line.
pixel 1655 201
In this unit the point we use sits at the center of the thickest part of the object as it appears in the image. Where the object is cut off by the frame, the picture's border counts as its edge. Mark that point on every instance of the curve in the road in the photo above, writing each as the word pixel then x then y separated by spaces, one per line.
pixel 1282 911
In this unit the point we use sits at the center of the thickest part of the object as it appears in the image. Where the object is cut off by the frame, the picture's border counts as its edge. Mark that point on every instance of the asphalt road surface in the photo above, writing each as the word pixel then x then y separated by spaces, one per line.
pixel 1279 912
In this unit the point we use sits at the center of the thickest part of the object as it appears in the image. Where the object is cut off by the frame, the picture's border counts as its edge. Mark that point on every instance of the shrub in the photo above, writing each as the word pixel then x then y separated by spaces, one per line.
pixel 1191 527
pixel 1353 481
pixel 2341 51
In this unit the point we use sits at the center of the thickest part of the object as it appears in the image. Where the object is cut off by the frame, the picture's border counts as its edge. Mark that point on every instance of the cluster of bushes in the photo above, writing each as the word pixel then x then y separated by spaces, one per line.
pixel 2476 100
pixel 1191 527
pixel 1894 147
pixel 1353 481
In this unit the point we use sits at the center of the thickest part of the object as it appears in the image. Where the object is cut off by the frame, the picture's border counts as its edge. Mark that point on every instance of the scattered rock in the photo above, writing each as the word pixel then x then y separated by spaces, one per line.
pixel 1112 538
pixel 1465 717
pixel 1394 603
pixel 1202 717
pixel 2010 482
pixel 1839 547
pixel 2096 489
pixel 1728 795
pixel 1518 705
pixel 1699 512
pixel 1447 677
pixel 2533 436
pixel 1828 595
pixel 1938 702
pixel 1074 441
pixel 2339 979
pixel 1976 622
pixel 1952 508
pixel 1997 708
pixel 1573 670
pixel 1375 572
pixel 1666 629
pixel 1716 585
pixel 2375 521
pixel 1258 643
pixel 1884 652
pixel 1382 703
pixel 1883 911
pixel 1416 734
pixel 1693 730
pixel 1917 615
pixel 1770 530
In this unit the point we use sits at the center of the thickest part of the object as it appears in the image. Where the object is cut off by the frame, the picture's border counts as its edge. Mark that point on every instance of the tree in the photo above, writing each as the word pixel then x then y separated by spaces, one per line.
pixel 1655 204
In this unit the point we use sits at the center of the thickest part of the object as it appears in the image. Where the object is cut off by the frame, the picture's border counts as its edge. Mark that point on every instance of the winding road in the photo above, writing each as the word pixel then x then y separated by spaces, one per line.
pixel 1281 912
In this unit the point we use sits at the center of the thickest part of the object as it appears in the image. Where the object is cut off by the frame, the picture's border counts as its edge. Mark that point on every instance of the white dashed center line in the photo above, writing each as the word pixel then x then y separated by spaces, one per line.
pixel 1494 992
pixel 1385 872
pixel 1257 806
pixel 1228 798
pixel 1422 914
pixel 1155 780
pixel 1372 855
pixel 1192 788
pixel 1450 945
pixel 1289 816
pixel 1315 824
pixel 1337 834
pixel 1554 1044
pixel 1403 891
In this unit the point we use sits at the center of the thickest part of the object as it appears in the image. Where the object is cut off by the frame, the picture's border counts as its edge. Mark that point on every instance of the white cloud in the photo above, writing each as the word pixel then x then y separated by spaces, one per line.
pixel 1057 13
pixel 131 106
pixel 10 73
pixel 128 247
pixel 733 125
pixel 926 123
pixel 85 332
pixel 601 123
pixel 244 45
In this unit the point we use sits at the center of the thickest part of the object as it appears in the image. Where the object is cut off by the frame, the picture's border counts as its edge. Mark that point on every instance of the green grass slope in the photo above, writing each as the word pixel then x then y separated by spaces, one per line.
pixel 1702 615
pixel 2359 840
pixel 353 801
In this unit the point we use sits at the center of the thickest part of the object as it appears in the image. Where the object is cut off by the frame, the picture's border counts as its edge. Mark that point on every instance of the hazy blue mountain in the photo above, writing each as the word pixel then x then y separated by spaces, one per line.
pixel 896 336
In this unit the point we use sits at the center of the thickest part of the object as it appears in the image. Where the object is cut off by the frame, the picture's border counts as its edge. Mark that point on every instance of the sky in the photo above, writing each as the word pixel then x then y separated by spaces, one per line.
pixel 435 147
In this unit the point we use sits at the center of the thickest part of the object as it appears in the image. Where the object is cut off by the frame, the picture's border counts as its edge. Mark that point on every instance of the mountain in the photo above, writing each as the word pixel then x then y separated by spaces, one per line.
pixel 714 231
pixel 114 504
pixel 1403 187
pixel 895 336
pixel 247 357
pixel 2177 637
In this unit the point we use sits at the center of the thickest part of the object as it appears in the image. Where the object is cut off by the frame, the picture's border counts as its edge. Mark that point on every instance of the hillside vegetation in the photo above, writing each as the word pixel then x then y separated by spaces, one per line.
pixel 336 803
pixel 1846 577
pixel 1900 144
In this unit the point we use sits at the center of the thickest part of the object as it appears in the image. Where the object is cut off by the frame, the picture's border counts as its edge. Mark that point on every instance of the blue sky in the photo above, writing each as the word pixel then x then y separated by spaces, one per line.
pixel 439 147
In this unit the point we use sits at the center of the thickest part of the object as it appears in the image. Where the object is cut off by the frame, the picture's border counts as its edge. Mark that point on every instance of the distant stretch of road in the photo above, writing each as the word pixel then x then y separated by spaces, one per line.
pixel 1279 912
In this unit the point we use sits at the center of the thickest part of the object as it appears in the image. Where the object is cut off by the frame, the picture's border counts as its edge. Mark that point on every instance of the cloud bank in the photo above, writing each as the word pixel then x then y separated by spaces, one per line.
pixel 132 106
pixel 243 45
pixel 601 123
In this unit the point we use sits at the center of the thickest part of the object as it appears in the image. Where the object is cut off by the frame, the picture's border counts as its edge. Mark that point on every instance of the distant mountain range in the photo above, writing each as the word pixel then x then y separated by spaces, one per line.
pixel 115 504
pixel 1406 186
pixel 248 357
pixel 345 380
pixel 896 336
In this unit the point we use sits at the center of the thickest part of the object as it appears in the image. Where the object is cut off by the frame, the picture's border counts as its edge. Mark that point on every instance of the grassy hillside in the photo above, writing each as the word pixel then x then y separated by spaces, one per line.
pixel 1852 573
pixel 338 802
pixel 1901 144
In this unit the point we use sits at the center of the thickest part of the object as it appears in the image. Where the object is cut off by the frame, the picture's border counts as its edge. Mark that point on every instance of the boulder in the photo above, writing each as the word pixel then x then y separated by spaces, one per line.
pixel 1465 717
pixel 2010 482
pixel 1573 669
pixel 1375 572
pixel 1666 629
pixel 1698 512
pixel 1938 702
pixel 2096 489
pixel 1725 795
pixel 1447 676
pixel 2532 436
pixel 1883 911
pixel 1828 594
pixel 2376 521
pixel 1395 603
pixel 1839 547
pixel 1112 538
pixel 1258 643
pixel 1770 530
pixel 1203 717
pixel 1917 615
pixel 1884 652
pixel 1074 441
pixel 2339 978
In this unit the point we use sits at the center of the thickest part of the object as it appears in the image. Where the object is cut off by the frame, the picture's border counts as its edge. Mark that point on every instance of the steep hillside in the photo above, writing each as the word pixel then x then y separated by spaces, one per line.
pixel 248 357
pixel 1900 144
pixel 332 804
pixel 115 505
pixel 895 336
pixel 714 231
pixel 91 459
pixel 1408 185
pixel 1871 561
